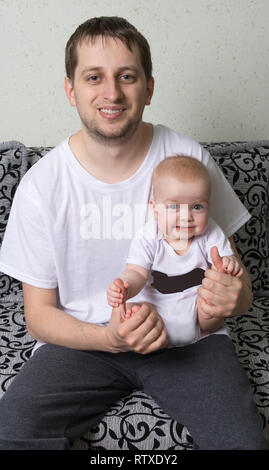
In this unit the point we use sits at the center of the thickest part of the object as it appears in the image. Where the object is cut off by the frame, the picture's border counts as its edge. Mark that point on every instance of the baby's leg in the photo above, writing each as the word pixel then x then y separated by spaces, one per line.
pixel 131 311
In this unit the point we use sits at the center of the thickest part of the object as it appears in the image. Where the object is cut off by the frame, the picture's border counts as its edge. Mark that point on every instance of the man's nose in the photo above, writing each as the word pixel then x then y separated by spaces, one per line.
pixel 112 90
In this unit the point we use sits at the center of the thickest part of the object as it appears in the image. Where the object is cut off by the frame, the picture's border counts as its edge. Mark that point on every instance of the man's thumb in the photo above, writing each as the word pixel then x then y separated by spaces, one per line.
pixel 119 312
pixel 216 259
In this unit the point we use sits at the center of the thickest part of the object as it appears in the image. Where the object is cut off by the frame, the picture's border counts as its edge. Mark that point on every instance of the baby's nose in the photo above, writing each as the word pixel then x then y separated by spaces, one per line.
pixel 185 213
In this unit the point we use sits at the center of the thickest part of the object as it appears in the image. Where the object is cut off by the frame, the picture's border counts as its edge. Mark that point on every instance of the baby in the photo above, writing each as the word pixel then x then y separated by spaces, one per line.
pixel 168 257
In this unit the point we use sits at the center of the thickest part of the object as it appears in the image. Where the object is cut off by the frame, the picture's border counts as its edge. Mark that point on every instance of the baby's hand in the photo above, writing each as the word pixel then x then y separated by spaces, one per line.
pixel 117 292
pixel 231 266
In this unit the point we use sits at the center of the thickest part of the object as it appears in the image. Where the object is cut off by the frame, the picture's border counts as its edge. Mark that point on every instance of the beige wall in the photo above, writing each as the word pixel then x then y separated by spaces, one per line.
pixel 210 62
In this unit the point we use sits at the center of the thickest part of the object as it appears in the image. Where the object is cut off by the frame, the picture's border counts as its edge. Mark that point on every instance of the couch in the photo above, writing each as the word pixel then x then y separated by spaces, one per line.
pixel 137 422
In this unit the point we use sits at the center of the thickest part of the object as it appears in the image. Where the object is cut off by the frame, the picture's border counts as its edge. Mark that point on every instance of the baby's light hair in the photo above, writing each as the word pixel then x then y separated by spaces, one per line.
pixel 183 167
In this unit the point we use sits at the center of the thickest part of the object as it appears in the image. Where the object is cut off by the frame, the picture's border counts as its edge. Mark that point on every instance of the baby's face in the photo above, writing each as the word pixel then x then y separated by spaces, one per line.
pixel 181 208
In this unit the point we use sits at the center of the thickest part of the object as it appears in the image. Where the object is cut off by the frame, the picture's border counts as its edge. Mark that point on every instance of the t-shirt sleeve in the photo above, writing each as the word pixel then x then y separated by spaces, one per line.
pixel 216 237
pixel 225 206
pixel 143 247
pixel 25 252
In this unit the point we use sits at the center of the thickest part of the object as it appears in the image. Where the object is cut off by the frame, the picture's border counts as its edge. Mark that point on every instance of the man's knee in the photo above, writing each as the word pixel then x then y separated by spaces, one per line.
pixel 19 415
pixel 23 425
pixel 252 438
pixel 247 432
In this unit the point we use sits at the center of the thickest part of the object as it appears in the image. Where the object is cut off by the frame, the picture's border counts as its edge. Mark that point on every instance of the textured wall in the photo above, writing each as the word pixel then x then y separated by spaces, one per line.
pixel 210 62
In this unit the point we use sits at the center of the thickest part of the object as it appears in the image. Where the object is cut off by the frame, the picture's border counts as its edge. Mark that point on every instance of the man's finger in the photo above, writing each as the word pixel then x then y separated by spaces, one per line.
pixel 161 342
pixel 116 315
pixel 141 313
pixel 222 278
pixel 216 259
pixel 214 286
pixel 212 298
pixel 122 311
pixel 212 310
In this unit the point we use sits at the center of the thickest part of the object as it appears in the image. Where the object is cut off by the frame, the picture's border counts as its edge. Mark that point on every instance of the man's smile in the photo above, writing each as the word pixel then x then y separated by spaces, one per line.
pixel 111 112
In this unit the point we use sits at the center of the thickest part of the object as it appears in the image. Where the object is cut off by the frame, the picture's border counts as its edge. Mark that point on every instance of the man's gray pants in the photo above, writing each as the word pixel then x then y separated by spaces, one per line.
pixel 61 393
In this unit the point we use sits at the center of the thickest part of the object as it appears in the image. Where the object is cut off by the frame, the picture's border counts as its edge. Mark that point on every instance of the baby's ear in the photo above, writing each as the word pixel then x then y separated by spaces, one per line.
pixel 152 205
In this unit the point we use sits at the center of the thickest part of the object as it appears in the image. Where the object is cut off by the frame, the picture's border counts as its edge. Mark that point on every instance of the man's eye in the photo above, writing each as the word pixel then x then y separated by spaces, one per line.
pixel 93 78
pixel 127 77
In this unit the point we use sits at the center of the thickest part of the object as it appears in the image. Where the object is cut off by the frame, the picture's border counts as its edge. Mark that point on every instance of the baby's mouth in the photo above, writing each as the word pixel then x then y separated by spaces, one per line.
pixel 183 227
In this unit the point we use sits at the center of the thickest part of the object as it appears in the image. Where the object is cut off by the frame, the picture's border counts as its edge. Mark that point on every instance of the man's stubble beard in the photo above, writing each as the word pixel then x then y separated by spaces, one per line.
pixel 118 136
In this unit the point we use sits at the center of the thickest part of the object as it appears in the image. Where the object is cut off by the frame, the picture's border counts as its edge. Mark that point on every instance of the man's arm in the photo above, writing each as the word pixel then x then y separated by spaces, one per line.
pixel 246 298
pixel 143 333
pixel 209 324
pixel 47 323
pixel 223 295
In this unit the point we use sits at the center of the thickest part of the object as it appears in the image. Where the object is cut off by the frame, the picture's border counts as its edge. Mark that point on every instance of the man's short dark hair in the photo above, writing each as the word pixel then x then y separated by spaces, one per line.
pixel 107 26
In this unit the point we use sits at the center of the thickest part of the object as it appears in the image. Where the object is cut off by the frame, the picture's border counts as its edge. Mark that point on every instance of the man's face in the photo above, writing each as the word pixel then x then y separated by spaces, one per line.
pixel 110 89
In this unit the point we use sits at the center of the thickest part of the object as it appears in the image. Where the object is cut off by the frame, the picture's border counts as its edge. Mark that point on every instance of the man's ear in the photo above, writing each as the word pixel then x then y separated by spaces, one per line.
pixel 69 90
pixel 150 88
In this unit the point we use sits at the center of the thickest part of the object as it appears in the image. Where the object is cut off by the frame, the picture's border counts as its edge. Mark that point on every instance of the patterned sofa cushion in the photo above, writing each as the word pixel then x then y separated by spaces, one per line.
pixel 136 422
pixel 15 160
pixel 245 165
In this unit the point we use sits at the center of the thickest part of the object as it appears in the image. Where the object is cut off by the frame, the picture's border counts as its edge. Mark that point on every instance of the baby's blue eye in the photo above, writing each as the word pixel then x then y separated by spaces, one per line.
pixel 198 207
pixel 173 207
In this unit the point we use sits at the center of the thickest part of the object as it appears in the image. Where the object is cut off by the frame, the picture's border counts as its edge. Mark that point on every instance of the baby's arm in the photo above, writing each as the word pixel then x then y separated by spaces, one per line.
pixel 131 281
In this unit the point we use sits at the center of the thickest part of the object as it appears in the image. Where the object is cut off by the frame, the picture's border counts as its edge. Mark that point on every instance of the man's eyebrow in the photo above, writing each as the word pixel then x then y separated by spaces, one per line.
pixel 90 69
pixel 128 67
pixel 119 70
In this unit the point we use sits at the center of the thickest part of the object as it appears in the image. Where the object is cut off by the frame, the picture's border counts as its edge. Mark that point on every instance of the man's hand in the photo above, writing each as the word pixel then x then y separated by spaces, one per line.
pixel 226 264
pixel 220 293
pixel 144 332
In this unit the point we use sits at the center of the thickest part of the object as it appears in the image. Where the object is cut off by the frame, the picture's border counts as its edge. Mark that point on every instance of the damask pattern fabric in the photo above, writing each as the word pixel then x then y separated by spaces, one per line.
pixel 15 160
pixel 246 166
pixel 137 422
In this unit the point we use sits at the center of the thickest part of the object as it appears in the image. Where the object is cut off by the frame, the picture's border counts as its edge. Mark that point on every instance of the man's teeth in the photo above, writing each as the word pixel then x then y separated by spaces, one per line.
pixel 111 111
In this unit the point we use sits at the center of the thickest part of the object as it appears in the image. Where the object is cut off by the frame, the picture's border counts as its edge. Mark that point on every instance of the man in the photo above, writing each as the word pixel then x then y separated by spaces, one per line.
pixel 72 220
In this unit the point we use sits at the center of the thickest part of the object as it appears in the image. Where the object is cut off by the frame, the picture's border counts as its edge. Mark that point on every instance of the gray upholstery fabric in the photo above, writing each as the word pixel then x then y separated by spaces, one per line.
pixel 137 422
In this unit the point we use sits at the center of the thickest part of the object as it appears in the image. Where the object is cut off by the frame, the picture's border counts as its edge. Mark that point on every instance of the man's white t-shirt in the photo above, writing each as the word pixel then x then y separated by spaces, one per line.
pixel 174 279
pixel 70 231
